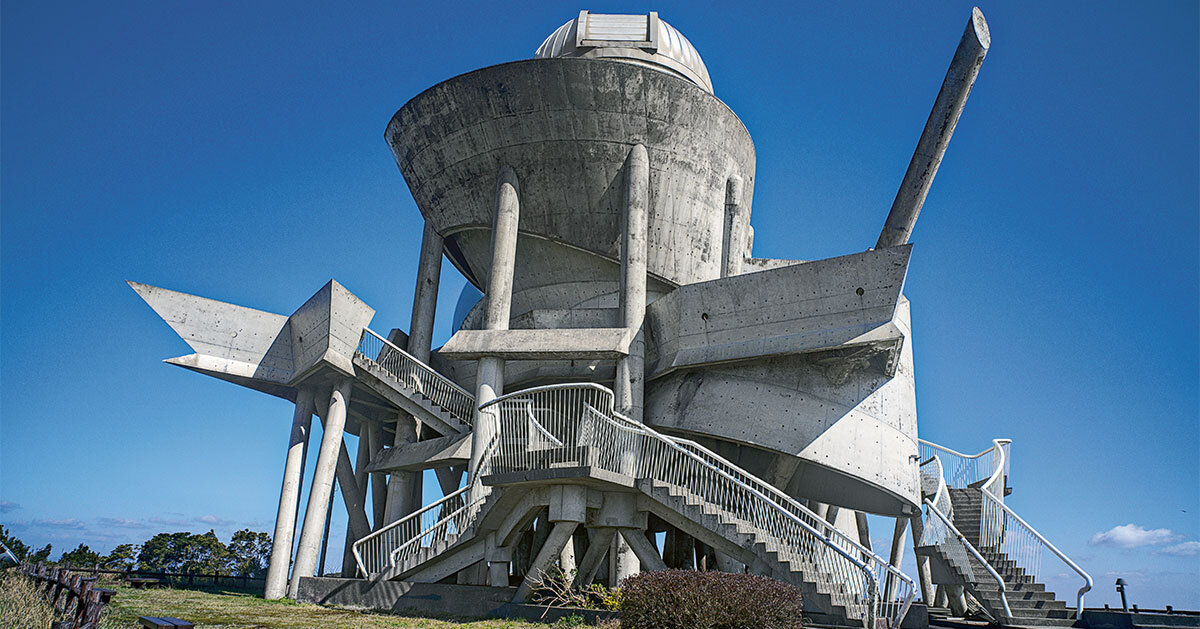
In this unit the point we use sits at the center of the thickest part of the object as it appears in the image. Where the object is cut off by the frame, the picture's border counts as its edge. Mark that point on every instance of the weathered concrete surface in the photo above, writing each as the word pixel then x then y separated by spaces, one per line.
pixel 326 330
pixel 852 427
pixel 926 159
pixel 567 125
pixel 814 306
pixel 423 455
pixel 544 344
pixel 397 596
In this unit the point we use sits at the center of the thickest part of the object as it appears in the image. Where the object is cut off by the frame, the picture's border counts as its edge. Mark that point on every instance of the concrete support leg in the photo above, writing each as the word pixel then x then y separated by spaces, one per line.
pixel 630 379
pixel 559 536
pixel 924 570
pixel 831 514
pixel 864 531
pixel 725 563
pixel 940 598
pixel 597 552
pixel 400 490
pixel 375 445
pixel 490 375
pixel 622 562
pixel 449 478
pixel 646 553
pixel 323 475
pixel 897 553
pixel 499 560
pixel 736 227
pixel 289 497
pixel 957 598
pixel 819 508
pixel 354 498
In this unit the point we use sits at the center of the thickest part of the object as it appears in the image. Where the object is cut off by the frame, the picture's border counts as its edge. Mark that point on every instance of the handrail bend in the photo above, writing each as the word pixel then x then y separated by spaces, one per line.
pixel 1087 578
pixel 1000 464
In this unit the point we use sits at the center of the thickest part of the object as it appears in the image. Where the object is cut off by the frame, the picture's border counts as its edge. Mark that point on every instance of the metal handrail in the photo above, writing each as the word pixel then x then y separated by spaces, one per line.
pixel 416 375
pixel 963 540
pixel 1032 561
pixel 623 454
pixel 962 462
pixel 367 540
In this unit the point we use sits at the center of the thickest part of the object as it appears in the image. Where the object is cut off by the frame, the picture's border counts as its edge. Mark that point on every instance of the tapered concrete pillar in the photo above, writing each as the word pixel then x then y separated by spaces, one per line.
pixel 737 223
pixel 864 531
pixel 924 570
pixel 405 488
pixel 597 551
pixel 361 460
pixel 289 497
pixel 490 376
pixel 323 475
pixel 951 99
pixel 378 479
pixel 897 553
pixel 400 485
pixel 630 380
pixel 559 536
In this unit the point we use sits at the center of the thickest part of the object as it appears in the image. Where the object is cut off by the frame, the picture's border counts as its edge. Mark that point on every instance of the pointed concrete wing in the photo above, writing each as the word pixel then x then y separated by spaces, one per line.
pixel 231 342
pixel 795 309
pixel 326 330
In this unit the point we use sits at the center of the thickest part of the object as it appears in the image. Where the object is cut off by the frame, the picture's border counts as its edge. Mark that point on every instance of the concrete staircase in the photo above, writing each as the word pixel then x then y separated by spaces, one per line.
pixel 407 396
pixel 826 601
pixel 1031 604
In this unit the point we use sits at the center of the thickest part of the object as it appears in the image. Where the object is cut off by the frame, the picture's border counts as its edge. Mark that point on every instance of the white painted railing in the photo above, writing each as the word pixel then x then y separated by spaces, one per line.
pixel 938 529
pixel 436 523
pixel 575 425
pixel 963 470
pixel 418 376
pixel 1003 530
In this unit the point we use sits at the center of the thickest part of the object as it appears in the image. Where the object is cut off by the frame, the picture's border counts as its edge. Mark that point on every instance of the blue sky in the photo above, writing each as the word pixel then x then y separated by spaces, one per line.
pixel 235 151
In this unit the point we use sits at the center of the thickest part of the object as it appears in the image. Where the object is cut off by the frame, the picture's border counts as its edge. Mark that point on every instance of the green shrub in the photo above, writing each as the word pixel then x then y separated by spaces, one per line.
pixel 687 599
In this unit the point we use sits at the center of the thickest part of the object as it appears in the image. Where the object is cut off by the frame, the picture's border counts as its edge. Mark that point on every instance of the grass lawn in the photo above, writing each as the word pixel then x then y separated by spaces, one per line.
pixel 227 607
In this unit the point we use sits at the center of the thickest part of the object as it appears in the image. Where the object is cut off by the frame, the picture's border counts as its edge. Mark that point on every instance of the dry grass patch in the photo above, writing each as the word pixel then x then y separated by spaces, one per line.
pixel 21 605
pixel 221 608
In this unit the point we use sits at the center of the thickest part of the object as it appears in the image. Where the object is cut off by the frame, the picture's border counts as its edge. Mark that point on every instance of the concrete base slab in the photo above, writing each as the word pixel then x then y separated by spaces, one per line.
pixel 401 596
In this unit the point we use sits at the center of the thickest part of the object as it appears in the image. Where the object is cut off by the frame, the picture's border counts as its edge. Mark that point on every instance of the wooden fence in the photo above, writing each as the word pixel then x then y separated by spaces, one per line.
pixel 74 595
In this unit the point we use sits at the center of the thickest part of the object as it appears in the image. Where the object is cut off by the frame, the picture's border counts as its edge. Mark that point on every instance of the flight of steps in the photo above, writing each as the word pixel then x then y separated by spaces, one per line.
pixel 1031 604
pixel 433 414
pixel 829 594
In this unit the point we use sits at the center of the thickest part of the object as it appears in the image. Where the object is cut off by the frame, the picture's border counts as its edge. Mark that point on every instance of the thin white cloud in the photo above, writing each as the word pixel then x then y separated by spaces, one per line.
pixel 1186 549
pixel 66 523
pixel 6 506
pixel 1133 536
pixel 213 520
pixel 122 523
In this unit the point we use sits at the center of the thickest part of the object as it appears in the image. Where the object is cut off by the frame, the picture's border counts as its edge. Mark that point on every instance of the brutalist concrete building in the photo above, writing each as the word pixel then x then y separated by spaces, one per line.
pixel 634 390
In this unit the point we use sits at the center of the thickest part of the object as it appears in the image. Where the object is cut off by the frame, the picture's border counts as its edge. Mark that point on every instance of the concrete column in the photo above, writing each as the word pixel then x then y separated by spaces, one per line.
pixel 429 272
pixel 597 551
pixel 560 535
pixel 378 479
pixel 356 504
pixel 646 553
pixel 499 559
pixel 864 531
pixel 630 378
pixel 400 486
pixel 622 562
pixel 924 570
pixel 736 223
pixel 490 376
pixel 897 553
pixel 951 99
pixel 289 497
pixel 318 494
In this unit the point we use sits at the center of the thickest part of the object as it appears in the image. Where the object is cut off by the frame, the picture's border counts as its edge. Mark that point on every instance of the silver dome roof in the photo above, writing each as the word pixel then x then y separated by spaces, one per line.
pixel 641 39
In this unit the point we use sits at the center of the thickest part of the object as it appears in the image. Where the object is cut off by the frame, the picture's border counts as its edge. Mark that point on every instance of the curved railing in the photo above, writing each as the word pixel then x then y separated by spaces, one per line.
pixel 418 376
pixel 938 529
pixel 965 470
pixel 576 425
pixel 1011 535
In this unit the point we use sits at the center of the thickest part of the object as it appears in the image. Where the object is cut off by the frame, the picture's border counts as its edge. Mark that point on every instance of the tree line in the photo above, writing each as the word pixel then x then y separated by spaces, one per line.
pixel 246 554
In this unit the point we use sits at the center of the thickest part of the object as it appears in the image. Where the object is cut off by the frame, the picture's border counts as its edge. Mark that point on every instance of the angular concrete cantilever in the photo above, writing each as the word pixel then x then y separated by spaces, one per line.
pixel 261 350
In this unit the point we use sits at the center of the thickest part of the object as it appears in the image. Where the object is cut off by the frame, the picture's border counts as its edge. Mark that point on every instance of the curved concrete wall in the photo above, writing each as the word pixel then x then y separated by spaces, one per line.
pixel 849 427
pixel 566 126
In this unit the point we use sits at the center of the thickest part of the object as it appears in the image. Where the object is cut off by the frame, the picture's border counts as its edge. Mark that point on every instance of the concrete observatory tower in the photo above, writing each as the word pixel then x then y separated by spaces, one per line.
pixel 623 188
pixel 631 369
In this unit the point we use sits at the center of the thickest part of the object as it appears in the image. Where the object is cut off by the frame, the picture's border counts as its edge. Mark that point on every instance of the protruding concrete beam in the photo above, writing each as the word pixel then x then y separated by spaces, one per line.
pixel 322 485
pixel 289 497
pixel 424 455
pixel 551 344
pixel 932 146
